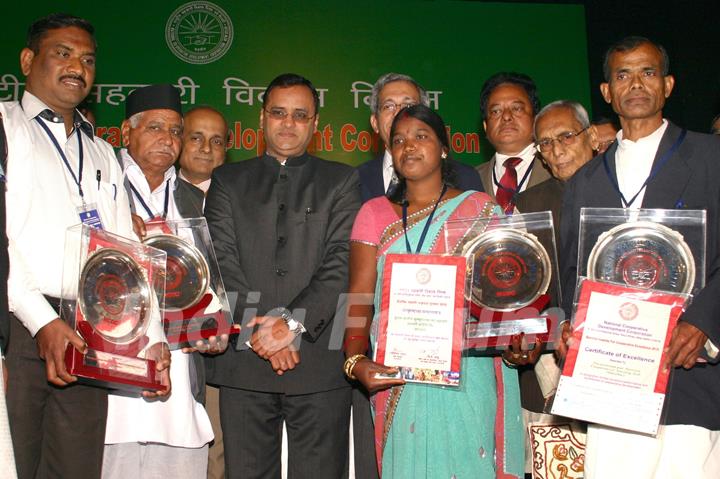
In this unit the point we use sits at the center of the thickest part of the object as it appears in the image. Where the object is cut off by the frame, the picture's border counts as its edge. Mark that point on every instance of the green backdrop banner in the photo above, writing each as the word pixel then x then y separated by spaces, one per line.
pixel 224 53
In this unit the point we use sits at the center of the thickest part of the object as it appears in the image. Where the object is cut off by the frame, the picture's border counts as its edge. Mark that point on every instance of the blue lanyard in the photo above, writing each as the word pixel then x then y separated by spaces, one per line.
pixel 77 179
pixel 427 222
pixel 522 181
pixel 663 159
pixel 145 205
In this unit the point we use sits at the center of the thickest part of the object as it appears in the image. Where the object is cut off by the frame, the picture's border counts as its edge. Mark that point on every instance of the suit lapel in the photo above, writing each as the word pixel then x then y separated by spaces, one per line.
pixel 666 189
pixel 603 192
pixel 539 173
pixel 377 177
pixel 485 171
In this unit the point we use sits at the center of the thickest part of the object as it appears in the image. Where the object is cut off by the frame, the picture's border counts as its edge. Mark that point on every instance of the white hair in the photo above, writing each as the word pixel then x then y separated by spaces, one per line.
pixel 577 109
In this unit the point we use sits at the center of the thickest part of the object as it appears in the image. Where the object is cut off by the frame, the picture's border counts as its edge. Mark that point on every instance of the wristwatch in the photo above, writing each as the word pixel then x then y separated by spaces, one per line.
pixel 293 324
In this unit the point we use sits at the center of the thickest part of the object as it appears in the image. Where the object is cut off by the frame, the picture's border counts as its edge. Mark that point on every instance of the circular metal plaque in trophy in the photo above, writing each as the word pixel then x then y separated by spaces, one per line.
pixel 114 296
pixel 187 272
pixel 511 269
pixel 643 254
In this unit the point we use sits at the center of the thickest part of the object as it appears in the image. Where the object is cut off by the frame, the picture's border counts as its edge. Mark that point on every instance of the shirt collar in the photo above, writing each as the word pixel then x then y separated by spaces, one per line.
pixel 33 107
pixel 292 161
pixel 133 171
pixel 527 155
pixel 203 185
pixel 653 139
pixel 387 161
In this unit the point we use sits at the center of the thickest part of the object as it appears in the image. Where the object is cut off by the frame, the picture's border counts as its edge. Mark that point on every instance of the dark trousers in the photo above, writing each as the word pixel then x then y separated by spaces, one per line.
pixel 317 427
pixel 56 432
pixel 363 436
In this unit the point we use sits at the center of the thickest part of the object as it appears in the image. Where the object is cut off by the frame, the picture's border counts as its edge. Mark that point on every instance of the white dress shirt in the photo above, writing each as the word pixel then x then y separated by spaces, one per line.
pixel 179 420
pixel 203 185
pixel 387 169
pixel 527 155
pixel 42 202
pixel 633 163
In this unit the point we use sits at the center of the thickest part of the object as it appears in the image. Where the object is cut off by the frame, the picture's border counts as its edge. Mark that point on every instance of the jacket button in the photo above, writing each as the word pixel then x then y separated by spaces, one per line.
pixel 281 240
pixel 280 272
pixel 281 206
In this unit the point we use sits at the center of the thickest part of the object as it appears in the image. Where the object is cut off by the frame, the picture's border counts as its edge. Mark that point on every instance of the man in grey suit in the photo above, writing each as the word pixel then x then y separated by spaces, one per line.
pixel 509 103
pixel 656 164
pixel 280 225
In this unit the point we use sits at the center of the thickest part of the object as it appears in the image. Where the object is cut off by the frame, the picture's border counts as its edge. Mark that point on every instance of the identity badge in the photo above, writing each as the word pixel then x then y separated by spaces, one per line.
pixel 89 216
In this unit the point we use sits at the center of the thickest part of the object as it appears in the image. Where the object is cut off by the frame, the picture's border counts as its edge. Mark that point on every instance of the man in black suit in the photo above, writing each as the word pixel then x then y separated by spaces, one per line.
pixel 391 93
pixel 656 164
pixel 7 458
pixel 4 261
pixel 280 225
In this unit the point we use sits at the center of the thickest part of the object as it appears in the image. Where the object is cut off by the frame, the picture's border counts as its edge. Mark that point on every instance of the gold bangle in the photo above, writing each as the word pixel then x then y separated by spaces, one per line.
pixel 350 363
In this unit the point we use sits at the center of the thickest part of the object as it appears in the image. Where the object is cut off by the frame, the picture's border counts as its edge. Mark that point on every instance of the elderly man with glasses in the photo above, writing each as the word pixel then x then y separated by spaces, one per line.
pixel 566 141
pixel 391 93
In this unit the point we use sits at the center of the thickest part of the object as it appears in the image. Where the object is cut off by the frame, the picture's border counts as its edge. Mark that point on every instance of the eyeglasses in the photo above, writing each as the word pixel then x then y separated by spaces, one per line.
pixel 298 116
pixel 567 139
pixel 392 107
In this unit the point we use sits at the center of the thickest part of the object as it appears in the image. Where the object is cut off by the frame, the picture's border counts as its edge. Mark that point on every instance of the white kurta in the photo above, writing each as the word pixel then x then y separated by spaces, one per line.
pixel 179 420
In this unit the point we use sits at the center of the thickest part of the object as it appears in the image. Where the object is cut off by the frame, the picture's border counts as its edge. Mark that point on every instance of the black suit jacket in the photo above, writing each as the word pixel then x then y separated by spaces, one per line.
pixel 281 235
pixel 372 184
pixel 4 260
pixel 189 201
pixel 545 196
pixel 690 179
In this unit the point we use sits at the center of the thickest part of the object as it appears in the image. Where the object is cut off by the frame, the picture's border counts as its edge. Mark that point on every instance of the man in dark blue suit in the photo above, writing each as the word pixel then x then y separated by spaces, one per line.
pixel 390 94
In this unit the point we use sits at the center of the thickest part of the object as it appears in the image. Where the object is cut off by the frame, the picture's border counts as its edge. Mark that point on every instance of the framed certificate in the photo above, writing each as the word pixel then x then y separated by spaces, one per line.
pixel 614 371
pixel 422 313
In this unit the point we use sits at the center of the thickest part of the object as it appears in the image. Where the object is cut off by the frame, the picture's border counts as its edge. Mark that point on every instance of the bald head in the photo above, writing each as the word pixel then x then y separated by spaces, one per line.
pixel 204 143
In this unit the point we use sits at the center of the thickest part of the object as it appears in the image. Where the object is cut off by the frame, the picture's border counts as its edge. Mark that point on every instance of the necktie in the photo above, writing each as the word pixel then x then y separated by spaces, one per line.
pixel 508 185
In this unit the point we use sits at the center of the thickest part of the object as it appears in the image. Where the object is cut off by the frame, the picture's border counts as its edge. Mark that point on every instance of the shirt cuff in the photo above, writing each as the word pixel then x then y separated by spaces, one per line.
pixel 34 314
pixel 711 350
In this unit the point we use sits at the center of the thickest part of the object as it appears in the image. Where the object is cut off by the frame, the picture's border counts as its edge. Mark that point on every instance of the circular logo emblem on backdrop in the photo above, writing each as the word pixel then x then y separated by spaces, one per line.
pixel 199 32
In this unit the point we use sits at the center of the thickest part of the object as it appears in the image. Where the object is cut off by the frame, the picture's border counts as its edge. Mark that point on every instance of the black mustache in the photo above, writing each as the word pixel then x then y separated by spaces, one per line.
pixel 74 77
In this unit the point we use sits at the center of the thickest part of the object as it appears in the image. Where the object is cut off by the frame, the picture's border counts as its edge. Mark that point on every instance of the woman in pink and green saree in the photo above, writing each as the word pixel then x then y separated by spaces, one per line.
pixel 474 431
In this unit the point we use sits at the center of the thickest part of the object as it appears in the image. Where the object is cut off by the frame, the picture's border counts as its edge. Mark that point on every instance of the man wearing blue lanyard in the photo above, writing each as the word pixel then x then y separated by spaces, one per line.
pixel 508 104
pixel 169 437
pixel 58 175
pixel 656 164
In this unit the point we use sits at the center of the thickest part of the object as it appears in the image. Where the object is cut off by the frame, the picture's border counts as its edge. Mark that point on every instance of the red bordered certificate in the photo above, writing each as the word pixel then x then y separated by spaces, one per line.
pixel 422 314
pixel 613 373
